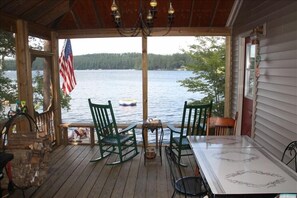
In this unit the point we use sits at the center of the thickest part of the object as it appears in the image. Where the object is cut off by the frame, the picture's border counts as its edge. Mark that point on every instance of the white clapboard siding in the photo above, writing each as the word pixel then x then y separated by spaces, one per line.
pixel 276 99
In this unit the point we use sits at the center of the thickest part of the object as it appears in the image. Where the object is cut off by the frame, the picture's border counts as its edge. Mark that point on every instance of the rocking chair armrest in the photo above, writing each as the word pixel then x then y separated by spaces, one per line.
pixel 128 128
pixel 173 129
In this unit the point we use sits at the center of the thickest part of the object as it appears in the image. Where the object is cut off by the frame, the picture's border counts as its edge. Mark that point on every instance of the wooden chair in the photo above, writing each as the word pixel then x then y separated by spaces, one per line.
pixel 110 139
pixel 193 123
pixel 221 125
pixel 186 185
pixel 290 155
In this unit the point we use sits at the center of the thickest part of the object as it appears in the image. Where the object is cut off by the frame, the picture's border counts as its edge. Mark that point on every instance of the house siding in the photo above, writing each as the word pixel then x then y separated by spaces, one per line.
pixel 275 122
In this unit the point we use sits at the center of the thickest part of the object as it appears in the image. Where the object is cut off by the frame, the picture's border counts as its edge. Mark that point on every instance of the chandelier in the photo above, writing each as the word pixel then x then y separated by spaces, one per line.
pixel 144 21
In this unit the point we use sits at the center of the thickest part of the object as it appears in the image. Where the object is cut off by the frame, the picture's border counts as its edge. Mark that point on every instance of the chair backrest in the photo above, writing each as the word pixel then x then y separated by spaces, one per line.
pixel 221 125
pixel 290 155
pixel 194 118
pixel 104 120
pixel 174 167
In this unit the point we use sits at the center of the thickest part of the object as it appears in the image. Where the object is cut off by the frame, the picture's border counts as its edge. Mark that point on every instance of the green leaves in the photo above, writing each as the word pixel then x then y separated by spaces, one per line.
pixel 208 56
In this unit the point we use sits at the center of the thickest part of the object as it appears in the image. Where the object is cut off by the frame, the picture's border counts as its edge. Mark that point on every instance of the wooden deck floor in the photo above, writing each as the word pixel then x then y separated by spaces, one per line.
pixel 72 175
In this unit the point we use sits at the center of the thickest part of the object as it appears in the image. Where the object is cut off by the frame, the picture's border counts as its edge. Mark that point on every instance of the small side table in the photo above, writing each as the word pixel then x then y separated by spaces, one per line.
pixel 153 126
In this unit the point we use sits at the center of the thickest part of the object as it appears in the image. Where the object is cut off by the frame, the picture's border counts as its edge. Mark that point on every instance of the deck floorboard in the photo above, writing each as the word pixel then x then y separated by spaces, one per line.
pixel 71 174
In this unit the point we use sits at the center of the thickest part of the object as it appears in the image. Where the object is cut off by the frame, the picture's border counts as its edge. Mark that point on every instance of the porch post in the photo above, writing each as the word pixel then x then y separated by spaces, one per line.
pixel 144 80
pixel 23 62
pixel 46 77
pixel 56 88
pixel 228 79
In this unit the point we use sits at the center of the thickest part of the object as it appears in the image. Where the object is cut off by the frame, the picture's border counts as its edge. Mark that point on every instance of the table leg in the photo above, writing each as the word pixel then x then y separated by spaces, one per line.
pixel 144 144
pixel 156 139
pixel 160 143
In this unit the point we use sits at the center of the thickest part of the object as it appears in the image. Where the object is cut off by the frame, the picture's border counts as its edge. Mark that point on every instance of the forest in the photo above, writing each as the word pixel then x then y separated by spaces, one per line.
pixel 119 61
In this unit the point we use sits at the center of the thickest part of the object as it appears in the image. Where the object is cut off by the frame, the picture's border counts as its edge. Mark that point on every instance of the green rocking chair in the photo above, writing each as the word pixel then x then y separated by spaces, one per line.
pixel 193 123
pixel 110 139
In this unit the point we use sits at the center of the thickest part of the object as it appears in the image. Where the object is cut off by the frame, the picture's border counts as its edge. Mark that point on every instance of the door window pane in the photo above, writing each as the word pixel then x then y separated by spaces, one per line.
pixel 250 70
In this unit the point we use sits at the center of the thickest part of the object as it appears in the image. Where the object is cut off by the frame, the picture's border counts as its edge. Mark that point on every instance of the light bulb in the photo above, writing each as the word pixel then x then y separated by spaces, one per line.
pixel 170 10
pixel 117 16
pixel 114 6
pixel 153 3
pixel 149 16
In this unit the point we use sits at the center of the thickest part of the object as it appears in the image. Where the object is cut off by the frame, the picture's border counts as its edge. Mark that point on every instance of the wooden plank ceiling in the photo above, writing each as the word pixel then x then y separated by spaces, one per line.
pixel 86 15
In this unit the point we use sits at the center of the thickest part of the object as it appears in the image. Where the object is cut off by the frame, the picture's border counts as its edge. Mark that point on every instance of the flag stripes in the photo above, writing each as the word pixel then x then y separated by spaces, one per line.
pixel 66 68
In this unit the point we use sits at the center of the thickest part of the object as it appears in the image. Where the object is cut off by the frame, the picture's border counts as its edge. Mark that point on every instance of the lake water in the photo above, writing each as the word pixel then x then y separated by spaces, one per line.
pixel 165 95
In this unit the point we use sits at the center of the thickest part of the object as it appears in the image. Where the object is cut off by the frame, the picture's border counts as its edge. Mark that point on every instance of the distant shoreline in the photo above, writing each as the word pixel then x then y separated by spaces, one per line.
pixel 118 61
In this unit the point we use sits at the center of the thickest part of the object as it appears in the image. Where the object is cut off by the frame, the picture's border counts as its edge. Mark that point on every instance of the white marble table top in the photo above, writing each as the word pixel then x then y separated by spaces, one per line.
pixel 234 165
pixel 210 142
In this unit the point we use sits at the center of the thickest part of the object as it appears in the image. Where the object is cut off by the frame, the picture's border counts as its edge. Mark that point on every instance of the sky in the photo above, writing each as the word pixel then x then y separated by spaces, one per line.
pixel 156 45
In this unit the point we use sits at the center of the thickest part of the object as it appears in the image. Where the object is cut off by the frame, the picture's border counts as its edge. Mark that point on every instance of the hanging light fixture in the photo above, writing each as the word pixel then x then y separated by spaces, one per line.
pixel 142 24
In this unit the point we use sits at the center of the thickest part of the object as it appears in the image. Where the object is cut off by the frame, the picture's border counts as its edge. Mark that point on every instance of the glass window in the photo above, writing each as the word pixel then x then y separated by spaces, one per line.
pixel 249 70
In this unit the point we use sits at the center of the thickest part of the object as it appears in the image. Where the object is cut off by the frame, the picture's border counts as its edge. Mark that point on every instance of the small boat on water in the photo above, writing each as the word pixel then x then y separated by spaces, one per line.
pixel 127 102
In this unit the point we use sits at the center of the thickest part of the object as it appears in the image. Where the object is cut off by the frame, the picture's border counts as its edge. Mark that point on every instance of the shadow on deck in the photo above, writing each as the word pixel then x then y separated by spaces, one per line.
pixel 72 175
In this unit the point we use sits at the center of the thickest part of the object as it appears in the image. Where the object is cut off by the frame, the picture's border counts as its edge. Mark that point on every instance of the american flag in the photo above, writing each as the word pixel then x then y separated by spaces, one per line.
pixel 66 68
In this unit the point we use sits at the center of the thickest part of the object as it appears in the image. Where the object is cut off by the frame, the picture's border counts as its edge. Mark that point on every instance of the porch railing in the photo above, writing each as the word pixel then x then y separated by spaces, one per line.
pixel 45 123
pixel 69 131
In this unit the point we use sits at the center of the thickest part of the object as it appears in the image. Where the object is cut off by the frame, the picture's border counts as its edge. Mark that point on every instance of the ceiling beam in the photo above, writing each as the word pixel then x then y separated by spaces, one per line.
pixel 70 5
pixel 8 23
pixel 178 31
pixel 234 12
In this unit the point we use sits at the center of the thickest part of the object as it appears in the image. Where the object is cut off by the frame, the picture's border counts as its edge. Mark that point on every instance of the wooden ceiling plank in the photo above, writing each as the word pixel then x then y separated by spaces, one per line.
pixel 21 6
pixel 191 13
pixel 9 7
pixel 8 23
pixel 76 19
pixel 96 10
pixel 58 21
pixel 53 14
pixel 39 9
pixel 215 9
pixel 3 3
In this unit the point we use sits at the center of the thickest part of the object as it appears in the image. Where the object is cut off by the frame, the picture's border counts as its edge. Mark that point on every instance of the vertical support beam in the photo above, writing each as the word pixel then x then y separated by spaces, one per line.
pixel 228 79
pixel 23 61
pixel 144 81
pixel 56 88
pixel 240 82
pixel 47 74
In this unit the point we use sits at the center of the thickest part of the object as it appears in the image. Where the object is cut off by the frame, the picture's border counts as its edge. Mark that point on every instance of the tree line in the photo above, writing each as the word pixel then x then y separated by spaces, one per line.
pixel 119 61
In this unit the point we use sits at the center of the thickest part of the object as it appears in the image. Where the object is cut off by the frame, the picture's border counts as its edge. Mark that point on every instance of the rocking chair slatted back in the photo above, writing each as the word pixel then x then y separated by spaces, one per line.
pixel 194 119
pixel 105 122
pixel 193 123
